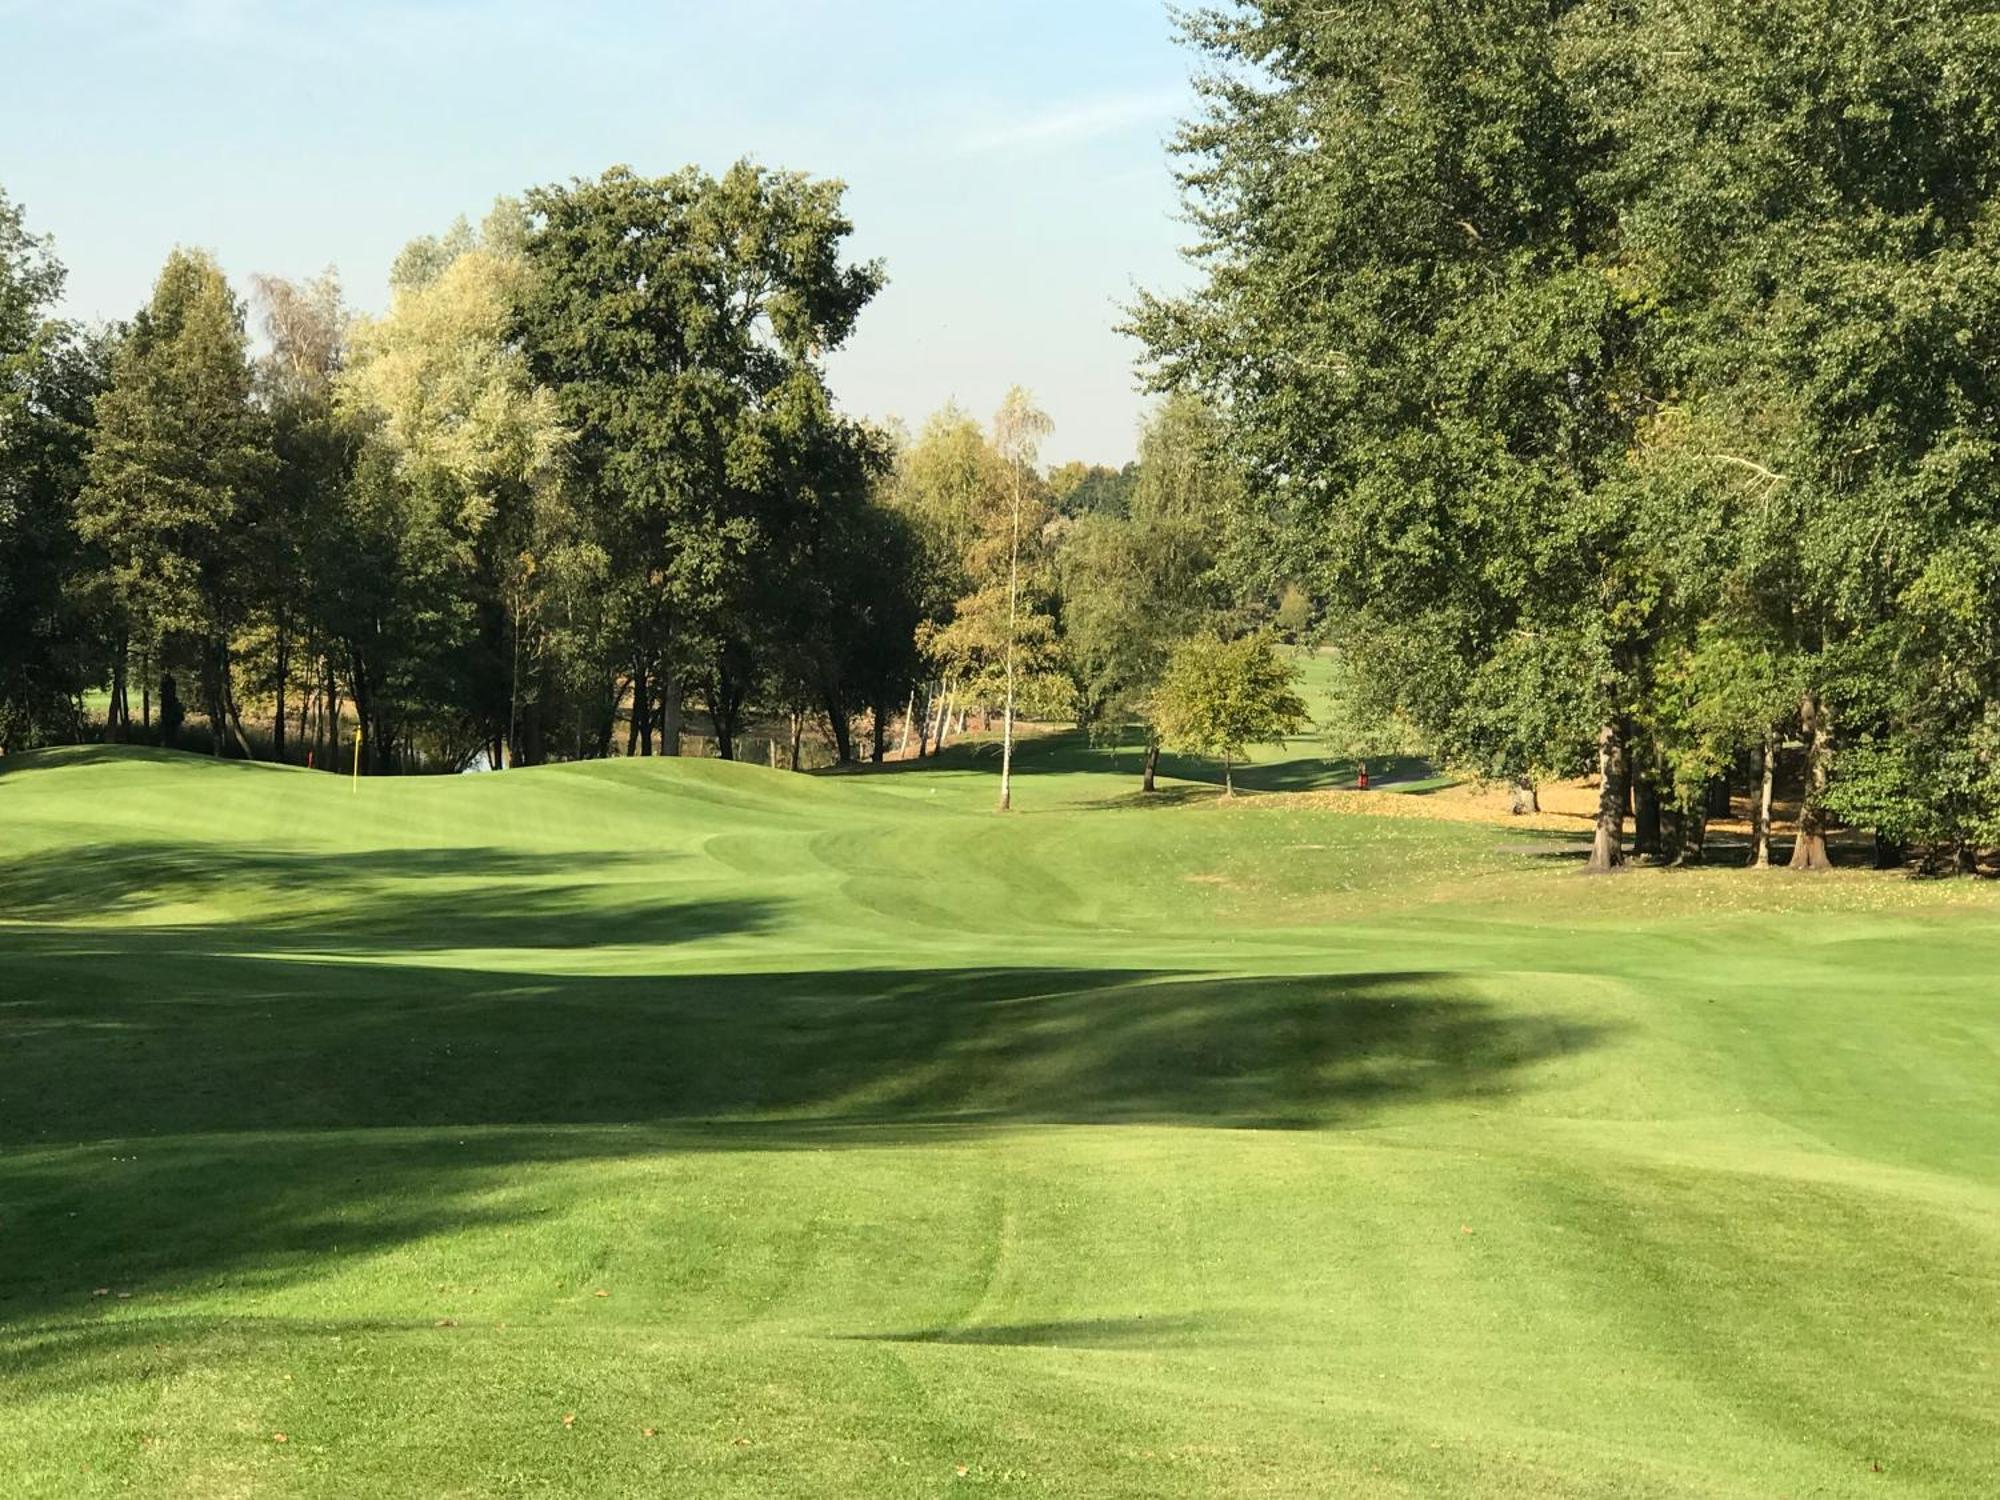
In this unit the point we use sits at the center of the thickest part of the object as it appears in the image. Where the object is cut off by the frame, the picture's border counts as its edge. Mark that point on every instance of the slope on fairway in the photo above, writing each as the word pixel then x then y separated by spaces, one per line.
pixel 686 1128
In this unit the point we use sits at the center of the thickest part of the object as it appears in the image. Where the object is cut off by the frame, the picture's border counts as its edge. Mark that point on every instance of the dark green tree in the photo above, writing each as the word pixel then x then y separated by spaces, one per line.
pixel 1409 310
pixel 179 458
pixel 680 322
pixel 49 377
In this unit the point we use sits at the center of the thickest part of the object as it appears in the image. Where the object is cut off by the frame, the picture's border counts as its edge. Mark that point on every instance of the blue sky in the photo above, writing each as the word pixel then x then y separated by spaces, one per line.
pixel 1006 160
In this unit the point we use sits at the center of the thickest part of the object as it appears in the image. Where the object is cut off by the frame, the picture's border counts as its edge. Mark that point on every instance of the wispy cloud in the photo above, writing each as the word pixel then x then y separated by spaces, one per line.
pixel 1072 123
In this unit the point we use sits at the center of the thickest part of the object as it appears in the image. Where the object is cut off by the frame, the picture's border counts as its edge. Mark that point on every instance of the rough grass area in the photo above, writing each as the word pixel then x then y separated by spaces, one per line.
pixel 691 1129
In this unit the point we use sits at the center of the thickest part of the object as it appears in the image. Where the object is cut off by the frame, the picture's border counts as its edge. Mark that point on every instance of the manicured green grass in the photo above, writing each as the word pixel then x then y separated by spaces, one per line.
pixel 687 1129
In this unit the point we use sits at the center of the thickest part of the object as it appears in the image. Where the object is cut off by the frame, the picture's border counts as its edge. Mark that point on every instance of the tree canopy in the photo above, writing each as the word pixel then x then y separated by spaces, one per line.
pixel 1617 376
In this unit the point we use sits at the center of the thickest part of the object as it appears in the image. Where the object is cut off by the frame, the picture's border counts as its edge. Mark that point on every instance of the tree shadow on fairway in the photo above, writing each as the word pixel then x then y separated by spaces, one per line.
pixel 1073 1333
pixel 179 1111
pixel 405 900
pixel 118 1037
pixel 1298 766
pixel 246 1104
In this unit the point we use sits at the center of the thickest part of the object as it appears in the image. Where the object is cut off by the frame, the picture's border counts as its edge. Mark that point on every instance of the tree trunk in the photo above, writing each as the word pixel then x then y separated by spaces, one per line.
pixel 362 701
pixel 909 713
pixel 1152 766
pixel 118 717
pixel 1228 776
pixel 842 727
pixel 878 749
pixel 670 710
pixel 330 715
pixel 235 712
pixel 1527 797
pixel 642 709
pixel 1607 852
pixel 607 720
pixel 1013 637
pixel 211 692
pixel 1760 802
pixel 1810 852
pixel 173 713
pixel 798 737
pixel 1007 746
pixel 1646 840
pixel 722 710
pixel 278 717
pixel 1691 841
pixel 1718 801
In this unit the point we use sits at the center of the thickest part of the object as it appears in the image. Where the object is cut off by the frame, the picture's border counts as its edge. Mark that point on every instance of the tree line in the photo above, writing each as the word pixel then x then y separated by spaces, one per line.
pixel 582 476
pixel 587 459
pixel 1620 377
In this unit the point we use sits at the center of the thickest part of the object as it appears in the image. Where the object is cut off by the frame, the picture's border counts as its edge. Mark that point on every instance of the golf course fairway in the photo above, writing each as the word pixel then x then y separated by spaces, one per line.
pixel 685 1128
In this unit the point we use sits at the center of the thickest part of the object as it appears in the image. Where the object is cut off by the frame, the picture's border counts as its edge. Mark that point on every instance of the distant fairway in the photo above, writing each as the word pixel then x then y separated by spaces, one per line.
pixel 679 1128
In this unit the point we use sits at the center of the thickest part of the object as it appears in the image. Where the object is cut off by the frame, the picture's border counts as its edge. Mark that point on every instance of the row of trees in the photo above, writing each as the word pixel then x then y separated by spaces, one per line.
pixel 1621 376
pixel 586 461
pixel 583 471
pixel 1093 595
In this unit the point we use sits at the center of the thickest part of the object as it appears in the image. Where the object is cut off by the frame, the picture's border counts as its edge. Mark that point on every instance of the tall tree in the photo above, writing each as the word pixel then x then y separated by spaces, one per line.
pixel 178 456
pixel 997 640
pixel 478 452
pixel 1806 200
pixel 1018 430
pixel 49 376
pixel 942 484
pixel 1135 585
pixel 306 328
pixel 680 322
pixel 1435 403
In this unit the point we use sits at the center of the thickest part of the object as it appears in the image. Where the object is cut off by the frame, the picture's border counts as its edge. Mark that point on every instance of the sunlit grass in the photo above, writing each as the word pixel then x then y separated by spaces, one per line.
pixel 696 1129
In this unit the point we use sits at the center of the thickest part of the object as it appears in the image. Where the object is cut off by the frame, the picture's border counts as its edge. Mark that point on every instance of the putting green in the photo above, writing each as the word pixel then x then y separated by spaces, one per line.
pixel 691 1129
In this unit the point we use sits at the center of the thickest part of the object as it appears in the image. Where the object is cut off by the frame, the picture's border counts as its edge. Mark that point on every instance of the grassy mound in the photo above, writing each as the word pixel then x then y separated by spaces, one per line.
pixel 685 1128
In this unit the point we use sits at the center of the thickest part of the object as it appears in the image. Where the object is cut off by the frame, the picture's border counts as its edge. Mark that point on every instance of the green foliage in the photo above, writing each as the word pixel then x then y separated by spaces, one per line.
pixel 1434 399
pixel 1671 361
pixel 989 502
pixel 1136 584
pixel 176 455
pixel 49 378
pixel 1219 697
pixel 489 548
pixel 679 322
pixel 1293 618
pixel 1078 489
pixel 177 463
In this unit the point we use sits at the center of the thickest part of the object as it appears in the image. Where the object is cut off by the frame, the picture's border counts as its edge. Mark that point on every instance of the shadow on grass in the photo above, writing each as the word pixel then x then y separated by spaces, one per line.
pixel 1076 1333
pixel 362 902
pixel 1298 766
pixel 245 1104
pixel 172 1111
